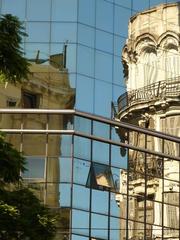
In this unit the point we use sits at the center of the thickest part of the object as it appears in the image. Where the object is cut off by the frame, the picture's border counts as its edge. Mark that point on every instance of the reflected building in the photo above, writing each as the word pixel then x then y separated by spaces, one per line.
pixel 151 62
pixel 46 88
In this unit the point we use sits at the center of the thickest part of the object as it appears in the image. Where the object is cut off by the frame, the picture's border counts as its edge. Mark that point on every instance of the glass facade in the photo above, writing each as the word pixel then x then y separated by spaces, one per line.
pixel 106 179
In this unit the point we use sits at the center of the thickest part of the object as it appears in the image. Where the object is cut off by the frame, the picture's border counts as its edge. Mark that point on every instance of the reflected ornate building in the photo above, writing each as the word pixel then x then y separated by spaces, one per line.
pixel 151 62
pixel 47 88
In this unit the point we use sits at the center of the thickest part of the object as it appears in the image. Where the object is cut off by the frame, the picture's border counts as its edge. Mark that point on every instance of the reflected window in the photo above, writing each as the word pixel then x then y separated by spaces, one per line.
pixel 30 100
pixel 100 177
pixel 35 168
pixel 11 102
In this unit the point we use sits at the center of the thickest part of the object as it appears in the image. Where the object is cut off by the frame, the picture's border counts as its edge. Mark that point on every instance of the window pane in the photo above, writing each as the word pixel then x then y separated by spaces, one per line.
pixel 17 10
pixel 33 10
pixel 82 147
pixel 85 62
pixel 87 17
pixel 100 177
pixel 66 145
pixel 62 32
pixel 65 195
pixel 80 222
pixel 140 7
pixel 81 170
pixel 81 202
pixel 65 170
pixel 86 35
pixel 84 93
pixel 99 226
pixel 116 158
pixel 118 76
pixel 98 205
pixel 103 70
pixel 30 144
pixel 31 51
pixel 122 16
pixel 38 32
pixel 35 167
pixel 101 129
pixel 103 22
pixel 124 3
pixel 104 41
pixel 53 170
pixel 82 124
pixel 117 230
pixel 64 10
pixel 103 97
pixel 100 152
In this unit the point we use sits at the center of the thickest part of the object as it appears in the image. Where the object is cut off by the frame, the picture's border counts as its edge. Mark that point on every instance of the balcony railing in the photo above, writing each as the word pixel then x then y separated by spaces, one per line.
pixel 156 91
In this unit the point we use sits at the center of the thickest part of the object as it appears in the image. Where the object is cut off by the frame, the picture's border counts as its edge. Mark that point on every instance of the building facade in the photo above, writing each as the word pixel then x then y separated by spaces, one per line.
pixel 151 63
pixel 77 164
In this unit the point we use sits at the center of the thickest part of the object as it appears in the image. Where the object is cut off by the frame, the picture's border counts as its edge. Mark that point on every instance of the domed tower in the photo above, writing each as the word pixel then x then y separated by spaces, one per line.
pixel 151 60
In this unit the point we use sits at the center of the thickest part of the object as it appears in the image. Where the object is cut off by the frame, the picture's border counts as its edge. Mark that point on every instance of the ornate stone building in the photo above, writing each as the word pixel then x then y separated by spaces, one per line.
pixel 151 62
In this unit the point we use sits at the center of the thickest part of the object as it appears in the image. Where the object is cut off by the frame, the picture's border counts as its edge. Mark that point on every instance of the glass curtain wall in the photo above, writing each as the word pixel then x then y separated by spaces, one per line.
pixel 90 177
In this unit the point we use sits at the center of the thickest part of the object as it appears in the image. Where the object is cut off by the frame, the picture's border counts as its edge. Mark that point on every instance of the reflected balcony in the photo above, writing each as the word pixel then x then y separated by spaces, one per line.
pixel 159 93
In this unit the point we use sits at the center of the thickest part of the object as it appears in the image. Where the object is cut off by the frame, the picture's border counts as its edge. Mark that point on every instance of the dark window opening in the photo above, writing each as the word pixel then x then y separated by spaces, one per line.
pixel 11 102
pixel 30 100
pixel 100 177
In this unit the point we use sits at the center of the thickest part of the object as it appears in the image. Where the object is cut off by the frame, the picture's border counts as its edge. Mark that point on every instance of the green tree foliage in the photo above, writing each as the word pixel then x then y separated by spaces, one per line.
pixel 13 66
pixel 22 216
pixel 11 163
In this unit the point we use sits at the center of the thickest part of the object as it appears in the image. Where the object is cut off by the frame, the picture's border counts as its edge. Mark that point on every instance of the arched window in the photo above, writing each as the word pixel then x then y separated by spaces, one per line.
pixel 147 67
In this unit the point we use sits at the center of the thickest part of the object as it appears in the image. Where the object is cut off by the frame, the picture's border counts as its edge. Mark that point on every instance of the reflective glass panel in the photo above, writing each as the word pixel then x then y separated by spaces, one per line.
pixel 104 16
pixel 101 129
pixel 103 70
pixel 76 237
pixel 80 171
pixel 86 35
pixel 81 197
pixel 87 17
pixel 117 205
pixel 35 167
pixel 82 147
pixel 104 41
pixel 32 49
pixel 30 144
pixel 38 32
pixel 117 228
pixel 52 195
pixel 82 124
pixel 85 61
pixel 118 77
pixel 100 152
pixel 99 226
pixel 65 170
pixel 66 145
pixel 53 170
pixel 124 3
pixel 65 195
pixel 80 222
pixel 140 7
pixel 85 93
pixel 121 19
pixel 33 10
pixel 100 177
pixel 103 96
pixel 17 10
pixel 99 205
pixel 117 159
pixel 63 32
pixel 64 10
